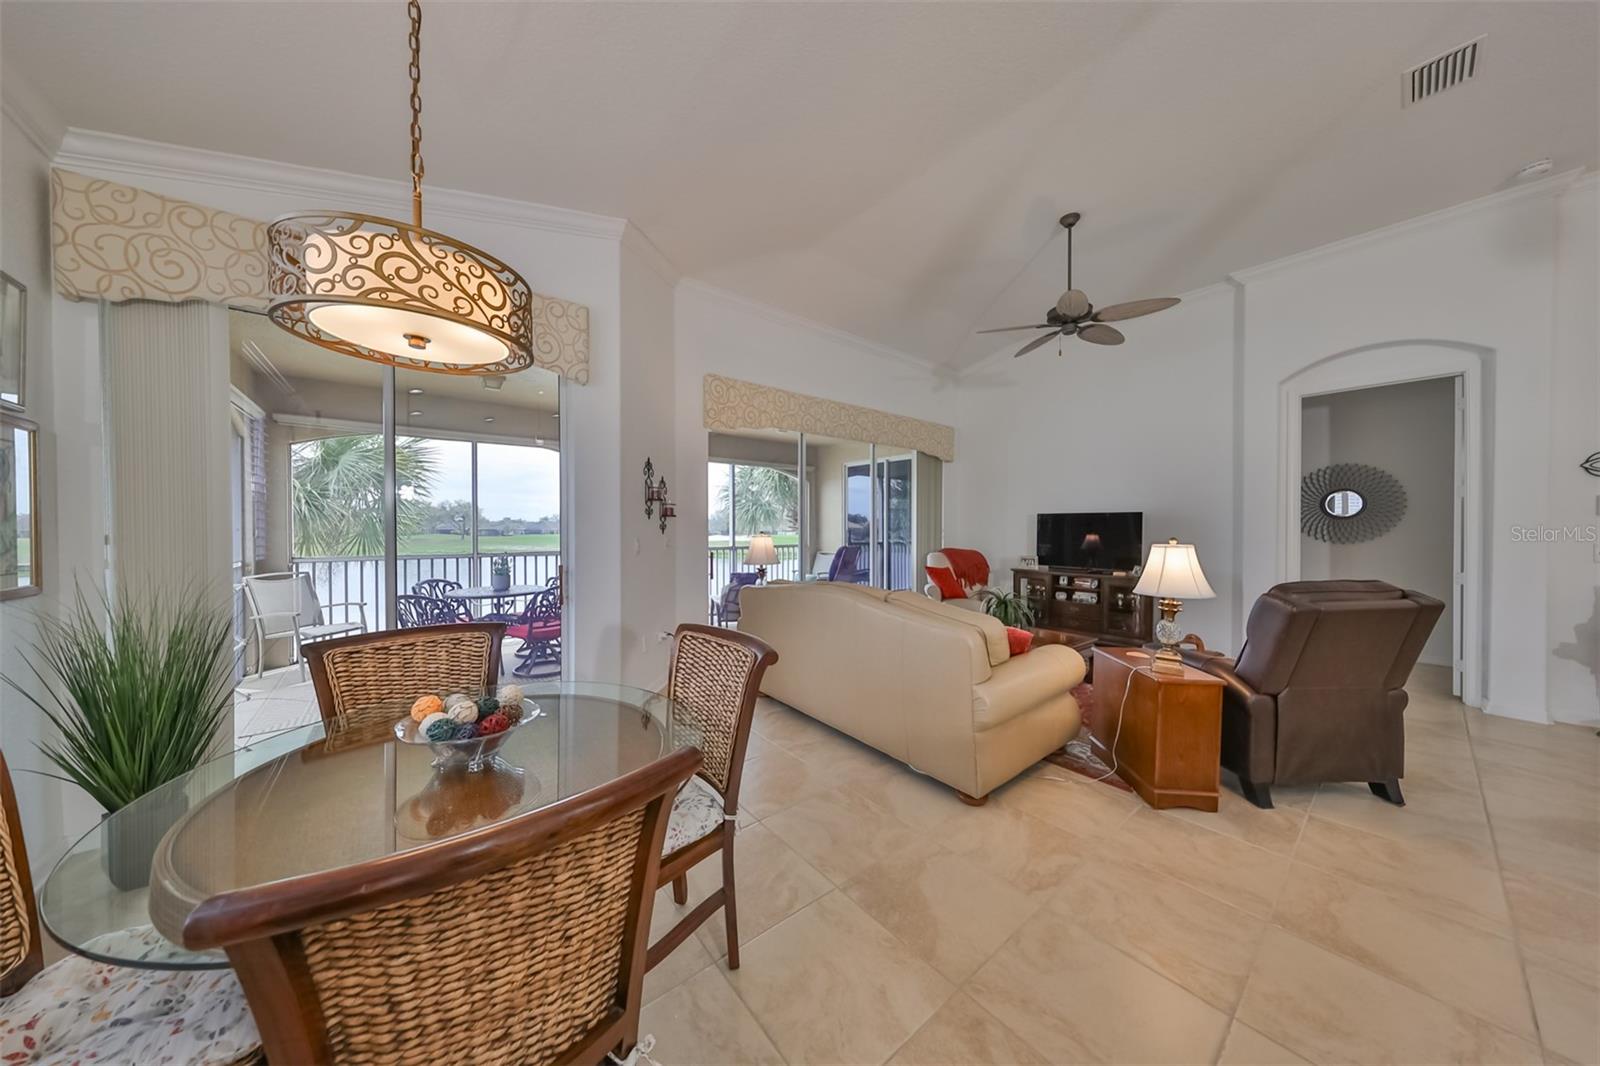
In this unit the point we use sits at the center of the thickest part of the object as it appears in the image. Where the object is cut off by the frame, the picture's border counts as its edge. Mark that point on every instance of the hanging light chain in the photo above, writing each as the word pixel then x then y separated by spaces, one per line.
pixel 414 8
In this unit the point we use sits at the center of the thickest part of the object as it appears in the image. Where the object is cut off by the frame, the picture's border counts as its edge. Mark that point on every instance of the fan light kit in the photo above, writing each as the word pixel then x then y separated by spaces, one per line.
pixel 1074 316
pixel 394 292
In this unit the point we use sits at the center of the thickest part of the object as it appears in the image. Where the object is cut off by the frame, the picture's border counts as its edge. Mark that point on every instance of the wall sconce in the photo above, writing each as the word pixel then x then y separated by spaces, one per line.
pixel 656 500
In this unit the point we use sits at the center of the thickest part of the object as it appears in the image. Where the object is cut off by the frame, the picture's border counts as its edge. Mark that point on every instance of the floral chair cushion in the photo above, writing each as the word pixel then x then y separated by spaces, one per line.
pixel 82 1011
pixel 696 811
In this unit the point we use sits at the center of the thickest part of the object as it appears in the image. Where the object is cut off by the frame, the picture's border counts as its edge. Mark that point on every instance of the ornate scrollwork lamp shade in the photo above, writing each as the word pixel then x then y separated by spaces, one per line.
pixel 398 294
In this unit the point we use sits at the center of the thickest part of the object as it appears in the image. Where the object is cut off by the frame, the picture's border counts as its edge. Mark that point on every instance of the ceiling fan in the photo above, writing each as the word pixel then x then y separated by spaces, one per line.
pixel 1074 315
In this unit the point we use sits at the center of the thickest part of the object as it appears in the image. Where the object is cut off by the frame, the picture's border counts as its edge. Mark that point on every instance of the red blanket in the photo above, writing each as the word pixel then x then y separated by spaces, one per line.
pixel 970 567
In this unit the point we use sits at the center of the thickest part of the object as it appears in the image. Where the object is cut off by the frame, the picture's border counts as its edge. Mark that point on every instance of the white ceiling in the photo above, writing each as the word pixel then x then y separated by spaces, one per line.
pixel 892 170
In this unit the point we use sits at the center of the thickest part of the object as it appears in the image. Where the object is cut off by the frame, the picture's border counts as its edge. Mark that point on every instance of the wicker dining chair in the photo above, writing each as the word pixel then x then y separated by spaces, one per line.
pixel 76 1010
pixel 523 942
pixel 714 681
pixel 377 672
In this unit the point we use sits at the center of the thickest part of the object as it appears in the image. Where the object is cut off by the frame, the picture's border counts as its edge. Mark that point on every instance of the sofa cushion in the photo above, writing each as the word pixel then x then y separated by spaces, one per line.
pixel 989 627
pixel 1048 672
pixel 1020 640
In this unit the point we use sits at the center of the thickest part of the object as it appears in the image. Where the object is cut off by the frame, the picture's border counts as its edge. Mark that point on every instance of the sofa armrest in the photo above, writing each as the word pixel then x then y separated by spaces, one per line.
pixel 1021 683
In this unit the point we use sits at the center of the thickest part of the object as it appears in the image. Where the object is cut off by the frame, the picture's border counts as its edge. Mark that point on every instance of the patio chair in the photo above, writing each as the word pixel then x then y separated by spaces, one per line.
pixel 414 611
pixel 285 606
pixel 76 1010
pixel 725 612
pixel 434 588
pixel 846 565
pixel 521 942
pixel 539 627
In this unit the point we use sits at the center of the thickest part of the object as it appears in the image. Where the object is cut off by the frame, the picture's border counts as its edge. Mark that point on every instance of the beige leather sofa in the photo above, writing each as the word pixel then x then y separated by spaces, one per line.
pixel 931 685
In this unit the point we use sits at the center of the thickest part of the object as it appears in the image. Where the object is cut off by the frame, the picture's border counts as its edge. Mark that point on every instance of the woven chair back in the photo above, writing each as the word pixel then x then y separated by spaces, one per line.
pixel 379 674
pixel 715 679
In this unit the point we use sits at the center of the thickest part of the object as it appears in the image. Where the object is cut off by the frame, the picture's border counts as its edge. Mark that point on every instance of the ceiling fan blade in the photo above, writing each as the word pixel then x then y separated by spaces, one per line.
pixel 1134 308
pixel 1073 304
pixel 1013 329
pixel 1031 345
pixel 1095 333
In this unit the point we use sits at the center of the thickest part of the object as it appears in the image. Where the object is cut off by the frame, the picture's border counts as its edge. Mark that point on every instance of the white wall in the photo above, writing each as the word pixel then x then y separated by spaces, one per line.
pixel 1147 426
pixel 1408 431
pixel 718 333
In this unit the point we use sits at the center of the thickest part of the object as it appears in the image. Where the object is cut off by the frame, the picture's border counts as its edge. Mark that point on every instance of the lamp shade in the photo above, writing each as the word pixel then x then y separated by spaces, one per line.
pixel 762 552
pixel 1172 571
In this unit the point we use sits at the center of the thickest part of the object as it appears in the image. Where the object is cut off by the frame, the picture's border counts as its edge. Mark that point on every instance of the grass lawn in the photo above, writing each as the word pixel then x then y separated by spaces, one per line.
pixel 450 544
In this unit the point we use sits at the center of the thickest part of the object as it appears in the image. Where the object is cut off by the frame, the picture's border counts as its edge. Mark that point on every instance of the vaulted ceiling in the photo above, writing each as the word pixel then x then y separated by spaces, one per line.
pixel 893 170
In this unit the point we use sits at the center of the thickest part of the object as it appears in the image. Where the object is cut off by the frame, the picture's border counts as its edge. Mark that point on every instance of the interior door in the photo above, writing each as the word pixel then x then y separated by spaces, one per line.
pixel 896 522
pixel 1459 544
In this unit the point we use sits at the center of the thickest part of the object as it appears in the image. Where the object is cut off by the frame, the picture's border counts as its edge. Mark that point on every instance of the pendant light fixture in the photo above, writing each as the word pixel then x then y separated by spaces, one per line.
pixel 397 293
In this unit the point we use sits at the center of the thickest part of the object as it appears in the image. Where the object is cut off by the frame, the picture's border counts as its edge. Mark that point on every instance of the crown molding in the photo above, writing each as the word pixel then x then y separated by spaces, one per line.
pixel 638 241
pixel 131 158
pixel 23 105
pixel 794 321
pixel 1552 186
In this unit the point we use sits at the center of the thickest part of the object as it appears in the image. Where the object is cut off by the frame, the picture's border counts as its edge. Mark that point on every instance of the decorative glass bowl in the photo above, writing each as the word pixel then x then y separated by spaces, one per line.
pixel 473 752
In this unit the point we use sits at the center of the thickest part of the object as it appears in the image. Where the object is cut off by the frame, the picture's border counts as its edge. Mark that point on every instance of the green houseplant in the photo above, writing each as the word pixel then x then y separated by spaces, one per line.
pixel 1010 608
pixel 136 691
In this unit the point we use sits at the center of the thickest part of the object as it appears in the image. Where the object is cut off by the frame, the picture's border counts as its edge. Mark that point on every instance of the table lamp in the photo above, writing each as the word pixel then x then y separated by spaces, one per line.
pixel 761 554
pixel 1171 574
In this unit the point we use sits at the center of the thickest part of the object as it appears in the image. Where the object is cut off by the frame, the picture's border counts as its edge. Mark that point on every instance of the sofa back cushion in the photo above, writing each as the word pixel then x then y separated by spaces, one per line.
pixel 988 628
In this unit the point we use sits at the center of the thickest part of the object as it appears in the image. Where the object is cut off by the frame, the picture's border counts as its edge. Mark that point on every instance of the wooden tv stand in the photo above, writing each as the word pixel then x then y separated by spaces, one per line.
pixel 1115 617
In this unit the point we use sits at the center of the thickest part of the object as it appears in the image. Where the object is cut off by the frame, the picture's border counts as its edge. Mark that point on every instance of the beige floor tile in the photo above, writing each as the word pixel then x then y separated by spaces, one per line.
pixel 841 832
pixel 1560 842
pixel 1084 810
pixel 772 882
pixel 1225 869
pixel 915 799
pixel 1433 809
pixel 1571 741
pixel 842 758
pixel 1329 1009
pixel 1460 964
pixel 1567 1001
pixel 1448 877
pixel 830 985
pixel 686 960
pixel 785 726
pixel 1204 945
pixel 1578 766
pixel 1017 848
pixel 961 1033
pixel 1554 919
pixel 943 906
pixel 776 781
pixel 1275 830
pixel 702 1022
pixel 1500 778
pixel 1246 1047
pixel 1077 999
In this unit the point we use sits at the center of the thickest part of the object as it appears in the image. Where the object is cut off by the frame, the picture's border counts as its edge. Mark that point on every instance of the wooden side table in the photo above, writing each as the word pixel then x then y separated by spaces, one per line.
pixel 1169 747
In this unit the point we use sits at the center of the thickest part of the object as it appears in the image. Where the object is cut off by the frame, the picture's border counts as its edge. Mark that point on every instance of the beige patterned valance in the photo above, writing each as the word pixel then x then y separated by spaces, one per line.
pixel 731 405
pixel 117 242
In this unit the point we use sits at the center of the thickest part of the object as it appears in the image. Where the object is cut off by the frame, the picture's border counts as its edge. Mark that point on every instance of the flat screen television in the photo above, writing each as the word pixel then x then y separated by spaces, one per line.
pixel 1103 540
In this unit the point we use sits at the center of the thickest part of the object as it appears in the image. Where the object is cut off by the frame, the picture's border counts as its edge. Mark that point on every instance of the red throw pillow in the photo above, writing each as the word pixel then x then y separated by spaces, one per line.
pixel 1020 640
pixel 944 579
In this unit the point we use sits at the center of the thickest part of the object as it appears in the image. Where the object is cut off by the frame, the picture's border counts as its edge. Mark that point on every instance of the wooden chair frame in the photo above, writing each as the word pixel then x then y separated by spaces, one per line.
pixel 676 866
pixel 259 927
pixel 33 961
pixel 317 652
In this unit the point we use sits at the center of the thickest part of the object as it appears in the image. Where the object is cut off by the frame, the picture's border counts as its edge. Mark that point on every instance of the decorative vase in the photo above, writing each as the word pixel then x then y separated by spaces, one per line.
pixel 499 582
pixel 130 843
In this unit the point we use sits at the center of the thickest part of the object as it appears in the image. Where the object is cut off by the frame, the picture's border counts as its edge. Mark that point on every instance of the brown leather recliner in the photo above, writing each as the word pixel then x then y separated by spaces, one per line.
pixel 1318 691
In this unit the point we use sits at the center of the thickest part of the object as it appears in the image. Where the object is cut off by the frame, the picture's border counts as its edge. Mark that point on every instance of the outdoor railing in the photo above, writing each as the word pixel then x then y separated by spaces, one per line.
pixel 723 560
pixel 359 578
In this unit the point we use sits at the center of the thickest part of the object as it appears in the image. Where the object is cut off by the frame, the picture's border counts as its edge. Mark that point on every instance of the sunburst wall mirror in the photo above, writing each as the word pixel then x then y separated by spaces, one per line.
pixel 1348 503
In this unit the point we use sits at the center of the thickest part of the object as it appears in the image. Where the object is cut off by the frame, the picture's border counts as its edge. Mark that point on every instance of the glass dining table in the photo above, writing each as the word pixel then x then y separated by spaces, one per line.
pixel 319 798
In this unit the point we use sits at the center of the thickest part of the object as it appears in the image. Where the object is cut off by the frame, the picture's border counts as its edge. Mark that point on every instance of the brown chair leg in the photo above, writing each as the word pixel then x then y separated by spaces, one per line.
pixel 1388 790
pixel 729 906
pixel 680 889
pixel 972 801
pixel 1260 795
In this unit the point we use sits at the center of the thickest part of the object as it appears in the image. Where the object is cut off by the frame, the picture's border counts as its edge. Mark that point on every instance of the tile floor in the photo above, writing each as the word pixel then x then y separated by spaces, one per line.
pixel 883 921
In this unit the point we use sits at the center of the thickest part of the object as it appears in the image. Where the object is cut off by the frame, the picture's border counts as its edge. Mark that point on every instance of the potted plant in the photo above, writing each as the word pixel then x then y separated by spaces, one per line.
pixel 500 573
pixel 1010 608
pixel 136 691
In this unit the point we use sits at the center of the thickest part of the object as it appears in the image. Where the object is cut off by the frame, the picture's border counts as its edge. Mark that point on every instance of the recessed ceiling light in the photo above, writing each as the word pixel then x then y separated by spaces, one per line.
pixel 488 418
pixel 415 392
pixel 1536 169
pixel 416 414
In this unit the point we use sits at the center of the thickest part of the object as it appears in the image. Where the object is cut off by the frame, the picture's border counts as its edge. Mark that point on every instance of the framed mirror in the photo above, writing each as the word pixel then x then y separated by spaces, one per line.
pixel 1347 503
pixel 13 340
pixel 20 573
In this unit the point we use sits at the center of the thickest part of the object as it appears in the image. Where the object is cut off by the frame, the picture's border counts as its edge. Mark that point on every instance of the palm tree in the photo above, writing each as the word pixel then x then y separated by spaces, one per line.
pixel 338 492
pixel 767 498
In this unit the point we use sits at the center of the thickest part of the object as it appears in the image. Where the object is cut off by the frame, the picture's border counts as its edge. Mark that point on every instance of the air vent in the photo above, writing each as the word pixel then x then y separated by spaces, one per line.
pixel 1442 72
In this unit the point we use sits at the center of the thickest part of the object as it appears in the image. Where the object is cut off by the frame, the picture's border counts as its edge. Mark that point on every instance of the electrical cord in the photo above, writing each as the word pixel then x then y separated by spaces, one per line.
pixel 1116 735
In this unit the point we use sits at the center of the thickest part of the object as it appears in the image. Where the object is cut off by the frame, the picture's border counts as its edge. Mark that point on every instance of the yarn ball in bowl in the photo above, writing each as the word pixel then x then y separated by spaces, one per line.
pixel 458 697
pixel 512 712
pixel 441 728
pixel 426 705
pixel 465 731
pixel 492 724
pixel 463 713
pixel 510 694
pixel 488 705
pixel 437 716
